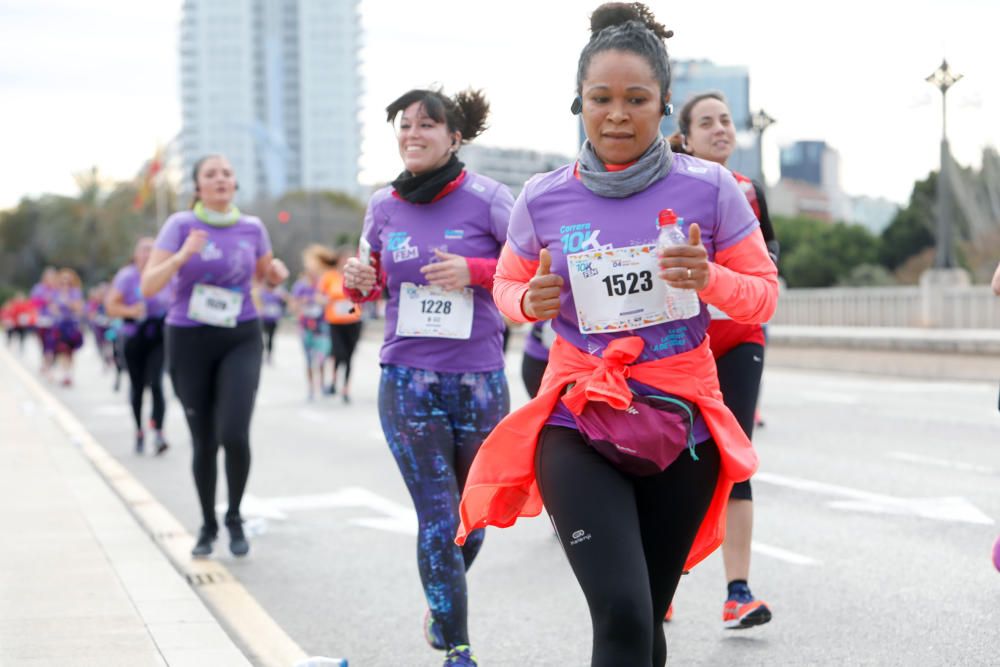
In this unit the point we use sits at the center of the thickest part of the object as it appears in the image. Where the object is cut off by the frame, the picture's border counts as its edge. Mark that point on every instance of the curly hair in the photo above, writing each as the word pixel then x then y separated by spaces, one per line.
pixel 464 112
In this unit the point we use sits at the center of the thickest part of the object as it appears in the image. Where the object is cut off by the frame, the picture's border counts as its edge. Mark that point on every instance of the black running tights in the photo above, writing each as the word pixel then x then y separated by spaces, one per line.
pixel 143 354
pixel 626 538
pixel 215 372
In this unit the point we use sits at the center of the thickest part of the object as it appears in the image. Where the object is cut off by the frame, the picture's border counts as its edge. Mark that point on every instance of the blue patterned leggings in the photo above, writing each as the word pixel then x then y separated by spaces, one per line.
pixel 434 424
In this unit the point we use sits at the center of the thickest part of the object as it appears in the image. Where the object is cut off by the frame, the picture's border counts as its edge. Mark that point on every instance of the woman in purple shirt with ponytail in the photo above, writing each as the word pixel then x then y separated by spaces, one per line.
pixel 210 256
pixel 432 238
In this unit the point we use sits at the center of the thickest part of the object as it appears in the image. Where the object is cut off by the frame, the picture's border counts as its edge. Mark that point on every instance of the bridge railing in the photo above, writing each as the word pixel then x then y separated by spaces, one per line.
pixel 973 307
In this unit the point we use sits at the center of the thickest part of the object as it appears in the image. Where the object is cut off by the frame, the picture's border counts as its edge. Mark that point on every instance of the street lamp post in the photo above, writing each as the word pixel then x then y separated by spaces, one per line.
pixel 759 122
pixel 944 78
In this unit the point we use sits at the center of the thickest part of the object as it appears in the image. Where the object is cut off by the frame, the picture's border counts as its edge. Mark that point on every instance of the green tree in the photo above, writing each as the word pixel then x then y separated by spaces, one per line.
pixel 820 254
pixel 911 231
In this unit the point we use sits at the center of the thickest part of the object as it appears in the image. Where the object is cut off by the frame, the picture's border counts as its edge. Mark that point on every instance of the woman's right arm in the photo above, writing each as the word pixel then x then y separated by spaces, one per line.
pixel 164 264
pixel 114 305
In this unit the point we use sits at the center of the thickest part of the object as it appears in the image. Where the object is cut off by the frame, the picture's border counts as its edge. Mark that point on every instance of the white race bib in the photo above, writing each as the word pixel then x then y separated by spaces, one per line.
pixel 216 306
pixel 272 311
pixel 618 289
pixel 344 307
pixel 433 312
pixel 312 311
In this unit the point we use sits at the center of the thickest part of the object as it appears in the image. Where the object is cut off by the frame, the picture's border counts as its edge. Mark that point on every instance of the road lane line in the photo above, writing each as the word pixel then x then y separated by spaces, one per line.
pixel 949 508
pixel 942 463
pixel 782 554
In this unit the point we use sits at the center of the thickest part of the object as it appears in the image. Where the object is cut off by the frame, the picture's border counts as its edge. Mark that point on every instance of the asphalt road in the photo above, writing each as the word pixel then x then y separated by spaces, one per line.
pixel 875 512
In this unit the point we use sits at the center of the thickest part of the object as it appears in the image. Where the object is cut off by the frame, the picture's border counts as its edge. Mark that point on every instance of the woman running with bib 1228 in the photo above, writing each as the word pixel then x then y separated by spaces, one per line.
pixel 433 237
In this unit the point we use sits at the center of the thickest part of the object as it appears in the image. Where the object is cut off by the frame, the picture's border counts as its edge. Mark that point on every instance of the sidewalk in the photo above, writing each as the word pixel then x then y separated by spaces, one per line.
pixel 81 583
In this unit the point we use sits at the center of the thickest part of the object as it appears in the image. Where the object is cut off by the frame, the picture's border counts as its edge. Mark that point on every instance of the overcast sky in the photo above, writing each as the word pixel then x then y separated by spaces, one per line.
pixel 95 82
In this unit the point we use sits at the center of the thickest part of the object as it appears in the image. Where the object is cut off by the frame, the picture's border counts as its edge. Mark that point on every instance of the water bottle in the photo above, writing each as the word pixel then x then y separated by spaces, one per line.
pixel 681 304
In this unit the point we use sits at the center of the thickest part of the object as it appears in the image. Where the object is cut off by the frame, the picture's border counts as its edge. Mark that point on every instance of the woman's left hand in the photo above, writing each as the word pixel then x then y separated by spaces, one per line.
pixel 450 271
pixel 686 266
pixel 277 272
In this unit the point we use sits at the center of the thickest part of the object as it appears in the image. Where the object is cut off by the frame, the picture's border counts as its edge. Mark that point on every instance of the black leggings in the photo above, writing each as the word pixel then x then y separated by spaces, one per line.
pixel 215 372
pixel 143 354
pixel 532 371
pixel 269 327
pixel 344 338
pixel 740 370
pixel 626 538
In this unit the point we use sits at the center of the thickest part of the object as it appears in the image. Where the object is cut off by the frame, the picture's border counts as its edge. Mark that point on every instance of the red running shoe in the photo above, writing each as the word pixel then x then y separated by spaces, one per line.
pixel 739 616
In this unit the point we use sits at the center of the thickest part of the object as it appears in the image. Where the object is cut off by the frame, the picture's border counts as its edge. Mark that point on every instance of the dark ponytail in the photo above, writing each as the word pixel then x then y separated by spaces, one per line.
pixel 627 26
pixel 464 112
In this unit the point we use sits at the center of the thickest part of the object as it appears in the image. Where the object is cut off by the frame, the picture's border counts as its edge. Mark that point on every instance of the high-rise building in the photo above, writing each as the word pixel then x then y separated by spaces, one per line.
pixel 274 85
pixel 817 164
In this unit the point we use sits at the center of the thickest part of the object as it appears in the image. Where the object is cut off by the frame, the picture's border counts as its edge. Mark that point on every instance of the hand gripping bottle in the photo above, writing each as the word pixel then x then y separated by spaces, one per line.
pixel 682 304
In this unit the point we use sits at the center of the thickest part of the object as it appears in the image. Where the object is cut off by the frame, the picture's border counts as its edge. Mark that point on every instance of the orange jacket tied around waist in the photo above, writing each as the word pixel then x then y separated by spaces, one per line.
pixel 501 485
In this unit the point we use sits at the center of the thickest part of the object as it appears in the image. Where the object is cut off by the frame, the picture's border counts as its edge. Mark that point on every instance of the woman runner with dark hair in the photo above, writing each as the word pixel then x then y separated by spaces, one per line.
pixel 432 239
pixel 706 131
pixel 142 341
pixel 628 442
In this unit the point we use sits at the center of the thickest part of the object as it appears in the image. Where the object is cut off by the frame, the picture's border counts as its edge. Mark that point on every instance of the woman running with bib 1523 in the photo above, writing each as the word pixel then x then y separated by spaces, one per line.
pixel 628 441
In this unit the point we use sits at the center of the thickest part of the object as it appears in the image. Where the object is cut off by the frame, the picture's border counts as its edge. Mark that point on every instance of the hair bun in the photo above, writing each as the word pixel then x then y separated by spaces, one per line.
pixel 617 13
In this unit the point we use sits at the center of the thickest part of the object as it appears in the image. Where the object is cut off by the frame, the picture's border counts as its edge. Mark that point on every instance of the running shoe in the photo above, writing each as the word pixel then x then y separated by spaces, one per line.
pixel 460 656
pixel 238 544
pixel 738 615
pixel 432 632
pixel 161 444
pixel 996 554
pixel 140 442
pixel 670 614
pixel 203 547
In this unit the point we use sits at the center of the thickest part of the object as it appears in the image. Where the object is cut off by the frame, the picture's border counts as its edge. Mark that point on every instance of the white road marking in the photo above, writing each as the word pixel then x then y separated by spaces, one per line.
pixel 314 416
pixel 782 554
pixel 950 508
pixel 941 463
pixel 111 410
pixel 395 518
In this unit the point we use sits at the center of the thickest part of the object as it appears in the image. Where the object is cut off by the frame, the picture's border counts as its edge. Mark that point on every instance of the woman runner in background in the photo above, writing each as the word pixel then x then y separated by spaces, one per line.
pixel 344 320
pixel 210 256
pixel 272 307
pixel 68 306
pixel 706 131
pixel 309 304
pixel 142 341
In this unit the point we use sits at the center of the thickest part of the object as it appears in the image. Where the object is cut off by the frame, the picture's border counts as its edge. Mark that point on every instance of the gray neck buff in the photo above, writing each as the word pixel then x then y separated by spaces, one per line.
pixel 651 166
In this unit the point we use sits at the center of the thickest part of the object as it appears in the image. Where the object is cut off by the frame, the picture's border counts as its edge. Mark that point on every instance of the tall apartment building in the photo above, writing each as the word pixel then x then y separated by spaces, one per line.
pixel 275 85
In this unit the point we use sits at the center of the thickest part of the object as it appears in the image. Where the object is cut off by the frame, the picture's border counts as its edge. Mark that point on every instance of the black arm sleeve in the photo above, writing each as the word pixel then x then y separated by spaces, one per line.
pixel 766 228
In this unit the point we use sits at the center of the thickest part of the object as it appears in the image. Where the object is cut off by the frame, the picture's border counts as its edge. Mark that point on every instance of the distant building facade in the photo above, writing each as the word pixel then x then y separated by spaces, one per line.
pixel 510 166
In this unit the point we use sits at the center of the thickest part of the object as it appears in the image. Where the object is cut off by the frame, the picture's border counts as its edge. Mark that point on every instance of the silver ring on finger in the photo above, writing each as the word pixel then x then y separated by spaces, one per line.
pixel 689 274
